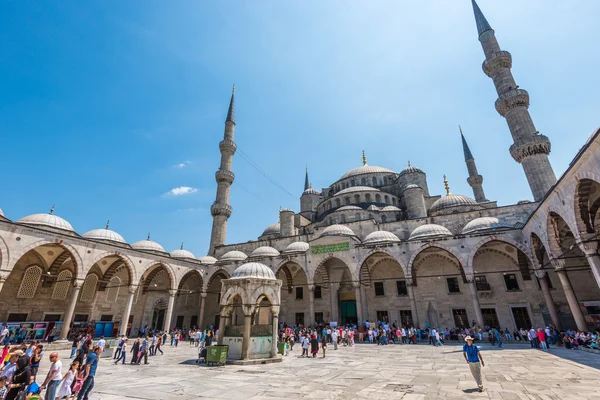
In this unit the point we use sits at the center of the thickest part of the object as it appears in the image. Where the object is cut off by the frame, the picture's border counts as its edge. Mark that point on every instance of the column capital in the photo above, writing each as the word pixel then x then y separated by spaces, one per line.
pixel 247 309
pixel 590 249
pixel 226 311
pixel 311 287
pixel 203 294
pixel 131 289
pixel 558 264
pixel 356 285
pixel 172 292
pixel 275 310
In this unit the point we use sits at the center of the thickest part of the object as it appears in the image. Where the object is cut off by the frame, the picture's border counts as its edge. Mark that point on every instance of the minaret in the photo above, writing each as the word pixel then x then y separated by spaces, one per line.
pixel 530 148
pixel 220 209
pixel 474 180
pixel 306 181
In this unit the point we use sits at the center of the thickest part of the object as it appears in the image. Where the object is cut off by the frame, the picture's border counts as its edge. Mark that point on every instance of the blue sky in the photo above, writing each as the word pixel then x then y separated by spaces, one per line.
pixel 105 107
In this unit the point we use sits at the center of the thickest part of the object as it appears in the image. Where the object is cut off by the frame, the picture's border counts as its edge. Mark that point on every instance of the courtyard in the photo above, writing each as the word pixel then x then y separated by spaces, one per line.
pixel 360 372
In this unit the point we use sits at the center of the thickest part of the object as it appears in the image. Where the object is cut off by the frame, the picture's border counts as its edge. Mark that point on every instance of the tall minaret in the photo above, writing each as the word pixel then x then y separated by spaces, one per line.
pixel 474 180
pixel 530 148
pixel 220 209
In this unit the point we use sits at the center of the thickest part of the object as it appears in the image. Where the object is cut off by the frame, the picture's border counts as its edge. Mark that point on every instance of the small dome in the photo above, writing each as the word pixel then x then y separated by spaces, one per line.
pixel 265 251
pixel 286 210
pixel 381 237
pixel 148 245
pixel 429 230
pixel 348 208
pixel 366 169
pixel 181 253
pixel 297 247
pixel 354 189
pixel 234 255
pixel 412 186
pixel 272 230
pixel 390 208
pixel 208 260
pixel 1 213
pixel 337 230
pixel 524 201
pixel 410 169
pixel 104 234
pixel 49 220
pixel 373 208
pixel 310 190
pixel 484 224
pixel 253 270
pixel 452 200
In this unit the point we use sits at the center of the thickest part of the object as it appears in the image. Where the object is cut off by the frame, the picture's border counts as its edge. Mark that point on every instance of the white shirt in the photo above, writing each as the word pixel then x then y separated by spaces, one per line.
pixel 101 343
pixel 334 335
pixel 56 366
pixel 4 332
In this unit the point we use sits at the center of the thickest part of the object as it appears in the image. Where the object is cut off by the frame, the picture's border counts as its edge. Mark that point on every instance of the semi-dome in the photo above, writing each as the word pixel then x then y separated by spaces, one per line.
pixel 410 169
pixel 253 270
pixel 373 207
pixel 297 247
pixel 366 169
pixel 272 229
pixel 337 230
pixel 429 230
pixel 349 208
pixel 149 245
pixel 208 260
pixel 354 189
pixel 182 253
pixel 452 200
pixel 104 234
pixel 484 224
pixel 265 251
pixel 234 255
pixel 390 208
pixel 49 220
pixel 381 237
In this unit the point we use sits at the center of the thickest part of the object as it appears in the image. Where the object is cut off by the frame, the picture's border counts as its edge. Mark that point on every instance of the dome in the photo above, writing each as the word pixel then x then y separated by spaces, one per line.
pixel 181 253
pixel 380 237
pixel 297 247
pixel 366 169
pixel 429 230
pixel 234 255
pixel 310 190
pixel 208 260
pixel 484 224
pixel 1 213
pixel 354 189
pixel 348 208
pixel 412 186
pixel 452 200
pixel 49 220
pixel 272 230
pixel 373 208
pixel 104 234
pixel 265 251
pixel 390 208
pixel 253 270
pixel 410 169
pixel 148 245
pixel 524 201
pixel 337 230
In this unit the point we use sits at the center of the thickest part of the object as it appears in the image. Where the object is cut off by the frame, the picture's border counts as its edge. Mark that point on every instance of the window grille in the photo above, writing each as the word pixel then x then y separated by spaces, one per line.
pixel 30 282
pixel 62 285
pixel 89 288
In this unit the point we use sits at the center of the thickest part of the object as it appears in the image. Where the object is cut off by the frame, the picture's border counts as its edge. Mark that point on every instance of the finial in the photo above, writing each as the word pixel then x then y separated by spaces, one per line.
pixel 364 158
pixel 280 208
pixel 460 129
pixel 181 248
pixel 148 236
pixel 233 89
pixel 51 210
pixel 107 223
pixel 310 185
pixel 409 163
pixel 446 186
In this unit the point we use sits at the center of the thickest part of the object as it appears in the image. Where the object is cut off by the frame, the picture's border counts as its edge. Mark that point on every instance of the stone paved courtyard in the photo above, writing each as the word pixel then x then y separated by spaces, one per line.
pixel 360 372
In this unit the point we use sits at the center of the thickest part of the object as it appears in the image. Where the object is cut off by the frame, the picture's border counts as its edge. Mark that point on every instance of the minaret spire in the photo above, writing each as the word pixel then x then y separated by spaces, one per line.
pixel 220 209
pixel 530 148
pixel 306 181
pixel 474 180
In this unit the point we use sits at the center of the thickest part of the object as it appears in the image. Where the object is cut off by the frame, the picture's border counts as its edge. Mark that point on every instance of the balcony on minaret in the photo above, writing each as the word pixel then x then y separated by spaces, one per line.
pixel 221 209
pixel 227 146
pixel 529 146
pixel 500 59
pixel 512 99
pixel 224 176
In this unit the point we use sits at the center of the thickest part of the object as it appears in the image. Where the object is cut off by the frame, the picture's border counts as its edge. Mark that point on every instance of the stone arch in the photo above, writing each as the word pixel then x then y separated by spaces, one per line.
pixel 230 295
pixel 75 256
pixel 365 272
pixel 587 202
pixel 288 275
pixel 264 292
pixel 188 275
pixel 558 230
pixel 4 255
pixel 523 261
pixel 447 255
pixel 221 273
pixel 123 260
pixel 152 271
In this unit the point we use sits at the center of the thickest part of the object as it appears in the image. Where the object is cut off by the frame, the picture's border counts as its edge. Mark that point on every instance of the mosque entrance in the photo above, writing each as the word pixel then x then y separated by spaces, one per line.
pixel 349 315
pixel 158 318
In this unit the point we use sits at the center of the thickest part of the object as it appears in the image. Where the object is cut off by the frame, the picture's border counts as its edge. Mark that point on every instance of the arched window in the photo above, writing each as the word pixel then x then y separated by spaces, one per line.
pixel 385 180
pixel 343 218
pixel 363 181
pixel 112 291
pixel 374 181
pixel 352 182
pixel 88 291
pixel 393 201
pixel 386 199
pixel 346 200
pixel 338 202
pixel 357 216
pixel 367 198
pixel 62 285
pixel 378 198
pixel 29 284
pixel 356 198
pixel 383 218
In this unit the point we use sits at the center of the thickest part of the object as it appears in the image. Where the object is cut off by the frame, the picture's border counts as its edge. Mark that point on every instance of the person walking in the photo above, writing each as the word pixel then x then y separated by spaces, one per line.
pixel 67 381
pixel 334 338
pixel 123 353
pixel 135 351
pixel 90 372
pixel 159 341
pixel 324 344
pixel 305 342
pixel 75 346
pixel 314 346
pixel 473 357
pixel 53 378
pixel 144 352
pixel 119 348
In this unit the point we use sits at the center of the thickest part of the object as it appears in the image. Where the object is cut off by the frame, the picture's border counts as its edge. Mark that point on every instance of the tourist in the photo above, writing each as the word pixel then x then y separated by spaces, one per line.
pixel 122 353
pixel 314 346
pixel 53 378
pixel 35 360
pixel 101 343
pixel 33 389
pixel 324 344
pixel 4 335
pixel 541 335
pixel 90 371
pixel 135 349
pixel 334 338
pixel 305 342
pixel 533 339
pixel 79 358
pixel 3 388
pixel 119 348
pixel 496 333
pixel 152 348
pixel 144 352
pixel 67 381
pixel 475 360
pixel 159 341
pixel 21 378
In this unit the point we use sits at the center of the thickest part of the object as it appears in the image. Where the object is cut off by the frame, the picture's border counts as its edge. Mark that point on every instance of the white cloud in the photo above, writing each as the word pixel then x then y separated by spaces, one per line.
pixel 180 191
pixel 182 165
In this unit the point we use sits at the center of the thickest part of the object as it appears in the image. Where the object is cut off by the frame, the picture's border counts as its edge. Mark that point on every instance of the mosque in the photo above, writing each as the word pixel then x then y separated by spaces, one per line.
pixel 374 245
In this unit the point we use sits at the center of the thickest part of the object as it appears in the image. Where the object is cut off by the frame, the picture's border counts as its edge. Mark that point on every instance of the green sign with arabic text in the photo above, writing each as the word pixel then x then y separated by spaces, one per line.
pixel 331 248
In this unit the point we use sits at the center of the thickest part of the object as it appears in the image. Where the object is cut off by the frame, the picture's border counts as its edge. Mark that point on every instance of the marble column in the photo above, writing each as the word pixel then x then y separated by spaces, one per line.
pixel 359 312
pixel 593 259
pixel 311 306
pixel 333 296
pixel 202 305
pixel 364 305
pixel 570 294
pixel 246 337
pixel 475 298
pixel 550 301
pixel 127 312
pixel 64 332
pixel 169 316
pixel 413 304
pixel 222 325
pixel 2 280
pixel 275 312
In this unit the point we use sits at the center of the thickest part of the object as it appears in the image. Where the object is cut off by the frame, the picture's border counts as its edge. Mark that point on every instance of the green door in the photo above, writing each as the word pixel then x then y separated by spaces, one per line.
pixel 349 312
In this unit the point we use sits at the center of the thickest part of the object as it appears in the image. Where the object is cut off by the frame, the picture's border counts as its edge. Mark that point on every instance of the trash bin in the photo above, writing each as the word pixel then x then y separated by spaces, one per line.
pixel 217 354
pixel 281 347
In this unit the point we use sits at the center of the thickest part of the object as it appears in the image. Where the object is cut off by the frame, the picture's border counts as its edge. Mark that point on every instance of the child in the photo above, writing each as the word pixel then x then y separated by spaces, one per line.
pixel 79 378
pixel 3 389
pixel 33 390
pixel 67 380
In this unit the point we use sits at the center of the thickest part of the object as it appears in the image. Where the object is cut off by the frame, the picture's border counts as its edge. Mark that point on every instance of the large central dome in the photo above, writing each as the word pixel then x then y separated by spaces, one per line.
pixel 366 169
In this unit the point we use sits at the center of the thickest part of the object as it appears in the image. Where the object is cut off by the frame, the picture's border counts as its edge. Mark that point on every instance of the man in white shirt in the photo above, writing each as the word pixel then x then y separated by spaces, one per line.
pixel 53 378
pixel 334 337
pixel 3 334
pixel 101 343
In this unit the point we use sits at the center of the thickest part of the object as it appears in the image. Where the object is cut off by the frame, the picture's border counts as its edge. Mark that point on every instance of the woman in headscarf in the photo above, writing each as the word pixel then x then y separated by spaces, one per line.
pixel 21 378
pixel 135 350
pixel 314 345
